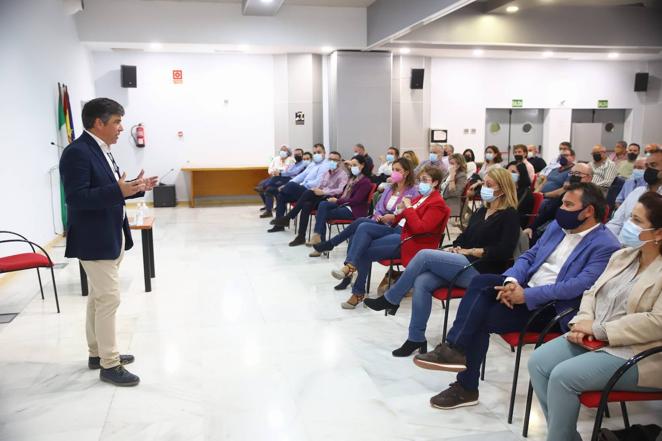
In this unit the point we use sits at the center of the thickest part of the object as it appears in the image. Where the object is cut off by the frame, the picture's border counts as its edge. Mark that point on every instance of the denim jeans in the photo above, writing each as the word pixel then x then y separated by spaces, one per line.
pixel 371 242
pixel 560 371
pixel 428 271
pixel 349 231
pixel 328 210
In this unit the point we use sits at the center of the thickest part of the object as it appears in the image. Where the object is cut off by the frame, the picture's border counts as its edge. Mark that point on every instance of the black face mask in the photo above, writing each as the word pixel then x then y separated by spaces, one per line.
pixel 575 179
pixel 650 176
pixel 563 161
pixel 468 159
pixel 597 157
pixel 298 158
pixel 519 158
pixel 445 153
pixel 632 156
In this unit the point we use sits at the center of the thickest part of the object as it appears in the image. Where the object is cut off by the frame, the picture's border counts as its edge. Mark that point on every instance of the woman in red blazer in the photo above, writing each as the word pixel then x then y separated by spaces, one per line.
pixel 418 224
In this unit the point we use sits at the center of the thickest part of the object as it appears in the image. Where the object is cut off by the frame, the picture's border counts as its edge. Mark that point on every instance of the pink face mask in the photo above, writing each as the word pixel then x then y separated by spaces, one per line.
pixel 396 177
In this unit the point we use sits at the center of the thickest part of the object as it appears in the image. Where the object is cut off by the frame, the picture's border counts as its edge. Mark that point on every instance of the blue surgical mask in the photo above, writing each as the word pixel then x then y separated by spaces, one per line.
pixel 433 157
pixel 283 154
pixel 629 235
pixel 489 156
pixel 333 165
pixel 515 177
pixel 306 161
pixel 424 188
pixel 487 194
pixel 638 173
pixel 317 157
pixel 355 170
pixel 390 158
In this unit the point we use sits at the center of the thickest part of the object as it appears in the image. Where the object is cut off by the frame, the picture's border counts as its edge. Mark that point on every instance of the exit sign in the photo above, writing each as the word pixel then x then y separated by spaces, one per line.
pixel 603 104
pixel 518 103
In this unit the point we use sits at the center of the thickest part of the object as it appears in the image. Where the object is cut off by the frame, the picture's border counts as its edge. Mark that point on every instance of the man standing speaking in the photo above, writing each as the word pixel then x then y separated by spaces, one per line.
pixel 98 230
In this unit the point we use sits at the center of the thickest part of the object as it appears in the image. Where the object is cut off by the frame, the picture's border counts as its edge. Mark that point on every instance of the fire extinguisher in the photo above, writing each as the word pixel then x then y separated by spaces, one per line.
pixel 138 135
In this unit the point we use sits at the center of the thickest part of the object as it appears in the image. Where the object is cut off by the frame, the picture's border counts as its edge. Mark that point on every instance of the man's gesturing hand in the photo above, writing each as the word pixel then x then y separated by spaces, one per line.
pixel 130 188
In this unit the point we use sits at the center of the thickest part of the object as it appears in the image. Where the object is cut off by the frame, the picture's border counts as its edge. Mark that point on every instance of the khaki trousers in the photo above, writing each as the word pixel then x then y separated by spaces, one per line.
pixel 102 303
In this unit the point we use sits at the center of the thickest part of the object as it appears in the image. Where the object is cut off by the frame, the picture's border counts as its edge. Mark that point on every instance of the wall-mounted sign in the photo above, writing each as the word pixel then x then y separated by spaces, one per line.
pixel 177 77
pixel 518 103
pixel 299 118
pixel 438 135
pixel 603 104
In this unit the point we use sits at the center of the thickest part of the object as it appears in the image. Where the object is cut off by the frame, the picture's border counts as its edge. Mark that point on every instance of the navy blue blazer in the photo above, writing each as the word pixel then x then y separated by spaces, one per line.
pixel 583 267
pixel 95 204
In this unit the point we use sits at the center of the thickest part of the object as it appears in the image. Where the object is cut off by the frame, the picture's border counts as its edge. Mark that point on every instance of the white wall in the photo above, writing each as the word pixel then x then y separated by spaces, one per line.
pixel 237 133
pixel 38 48
pixel 463 88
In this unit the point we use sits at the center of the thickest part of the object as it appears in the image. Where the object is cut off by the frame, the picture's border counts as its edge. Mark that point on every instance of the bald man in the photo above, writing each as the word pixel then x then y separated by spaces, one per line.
pixel 604 169
pixel 579 173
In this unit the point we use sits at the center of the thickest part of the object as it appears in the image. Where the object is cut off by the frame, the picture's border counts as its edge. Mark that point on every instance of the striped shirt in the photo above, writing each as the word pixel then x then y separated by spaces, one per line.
pixel 604 174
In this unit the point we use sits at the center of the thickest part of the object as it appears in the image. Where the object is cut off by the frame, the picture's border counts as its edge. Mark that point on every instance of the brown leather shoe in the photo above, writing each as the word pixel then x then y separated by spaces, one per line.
pixel 453 397
pixel 352 302
pixel 443 358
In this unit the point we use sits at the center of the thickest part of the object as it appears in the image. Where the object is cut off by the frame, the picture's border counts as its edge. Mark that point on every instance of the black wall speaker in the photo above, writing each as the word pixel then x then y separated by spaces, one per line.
pixel 417 78
pixel 641 82
pixel 128 76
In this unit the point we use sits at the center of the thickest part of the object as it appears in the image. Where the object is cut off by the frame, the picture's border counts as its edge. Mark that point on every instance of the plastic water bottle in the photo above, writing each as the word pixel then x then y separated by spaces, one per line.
pixel 140 214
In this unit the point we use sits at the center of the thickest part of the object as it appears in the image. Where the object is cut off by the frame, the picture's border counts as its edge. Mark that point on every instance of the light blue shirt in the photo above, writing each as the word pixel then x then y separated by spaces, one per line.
pixel 295 169
pixel 625 210
pixel 628 186
pixel 312 175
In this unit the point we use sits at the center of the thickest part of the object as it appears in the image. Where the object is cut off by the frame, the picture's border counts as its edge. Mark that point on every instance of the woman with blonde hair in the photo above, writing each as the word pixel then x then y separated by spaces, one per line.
pixel 491 236
pixel 413 158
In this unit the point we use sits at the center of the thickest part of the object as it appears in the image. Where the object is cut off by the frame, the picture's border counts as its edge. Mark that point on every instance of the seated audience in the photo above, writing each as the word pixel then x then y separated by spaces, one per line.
pixel 402 186
pixel 653 179
pixel 436 153
pixel 359 149
pixel 558 176
pixel 331 185
pixel 623 308
pixel 492 160
pixel 470 159
pixel 635 180
pixel 650 148
pixel 519 153
pixel 620 153
pixel 520 177
pixel 625 166
pixel 565 145
pixel 535 160
pixel 307 180
pixel 412 157
pixel 384 170
pixel 452 188
pixel 448 151
pixel 604 170
pixel 420 224
pixel 488 241
pixel 352 204
pixel 547 211
pixel 269 187
pixel 565 262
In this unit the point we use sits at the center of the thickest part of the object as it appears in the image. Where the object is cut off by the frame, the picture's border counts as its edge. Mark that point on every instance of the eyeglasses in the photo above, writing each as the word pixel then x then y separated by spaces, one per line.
pixel 577 173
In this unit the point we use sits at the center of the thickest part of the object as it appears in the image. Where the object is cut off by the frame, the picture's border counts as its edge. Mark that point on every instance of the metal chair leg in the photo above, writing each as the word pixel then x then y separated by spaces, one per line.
pixel 513 389
pixel 626 420
pixel 57 301
pixel 482 368
pixel 527 413
pixel 41 286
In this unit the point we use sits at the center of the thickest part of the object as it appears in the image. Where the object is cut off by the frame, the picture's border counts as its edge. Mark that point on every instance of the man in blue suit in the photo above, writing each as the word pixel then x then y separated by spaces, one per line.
pixel 98 230
pixel 565 262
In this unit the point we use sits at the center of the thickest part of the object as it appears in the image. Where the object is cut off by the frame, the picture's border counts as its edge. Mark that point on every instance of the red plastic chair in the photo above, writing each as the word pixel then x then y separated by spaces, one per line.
pixel 599 399
pixel 537 202
pixel 25 261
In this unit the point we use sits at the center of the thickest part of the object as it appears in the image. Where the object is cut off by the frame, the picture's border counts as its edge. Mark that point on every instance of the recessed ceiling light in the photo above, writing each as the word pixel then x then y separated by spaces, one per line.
pixel 155 45
pixel 613 55
pixel 405 50
pixel 548 54
pixel 327 49
pixel 512 9
pixel 478 52
pixel 266 2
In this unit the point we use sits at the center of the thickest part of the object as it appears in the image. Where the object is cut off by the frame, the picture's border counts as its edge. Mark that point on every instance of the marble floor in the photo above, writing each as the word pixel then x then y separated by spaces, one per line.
pixel 242 338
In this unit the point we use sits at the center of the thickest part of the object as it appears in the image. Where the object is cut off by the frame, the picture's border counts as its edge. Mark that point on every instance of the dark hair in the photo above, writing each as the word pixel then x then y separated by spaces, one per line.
pixel 320 145
pixel 652 202
pixel 102 108
pixel 622 144
pixel 473 157
pixel 566 144
pixel 367 171
pixel 335 153
pixel 635 144
pixel 524 180
pixel 307 153
pixel 434 173
pixel 520 147
pixel 497 154
pixel 406 164
pixel 360 146
pixel 298 150
pixel 397 151
pixel 591 195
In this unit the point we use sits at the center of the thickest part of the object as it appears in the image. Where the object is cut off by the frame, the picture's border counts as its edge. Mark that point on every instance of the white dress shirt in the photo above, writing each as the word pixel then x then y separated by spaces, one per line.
pixel 550 269
pixel 105 149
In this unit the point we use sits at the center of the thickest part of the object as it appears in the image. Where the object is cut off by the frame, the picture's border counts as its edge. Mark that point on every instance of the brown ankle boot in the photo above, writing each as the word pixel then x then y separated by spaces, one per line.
pixel 352 302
